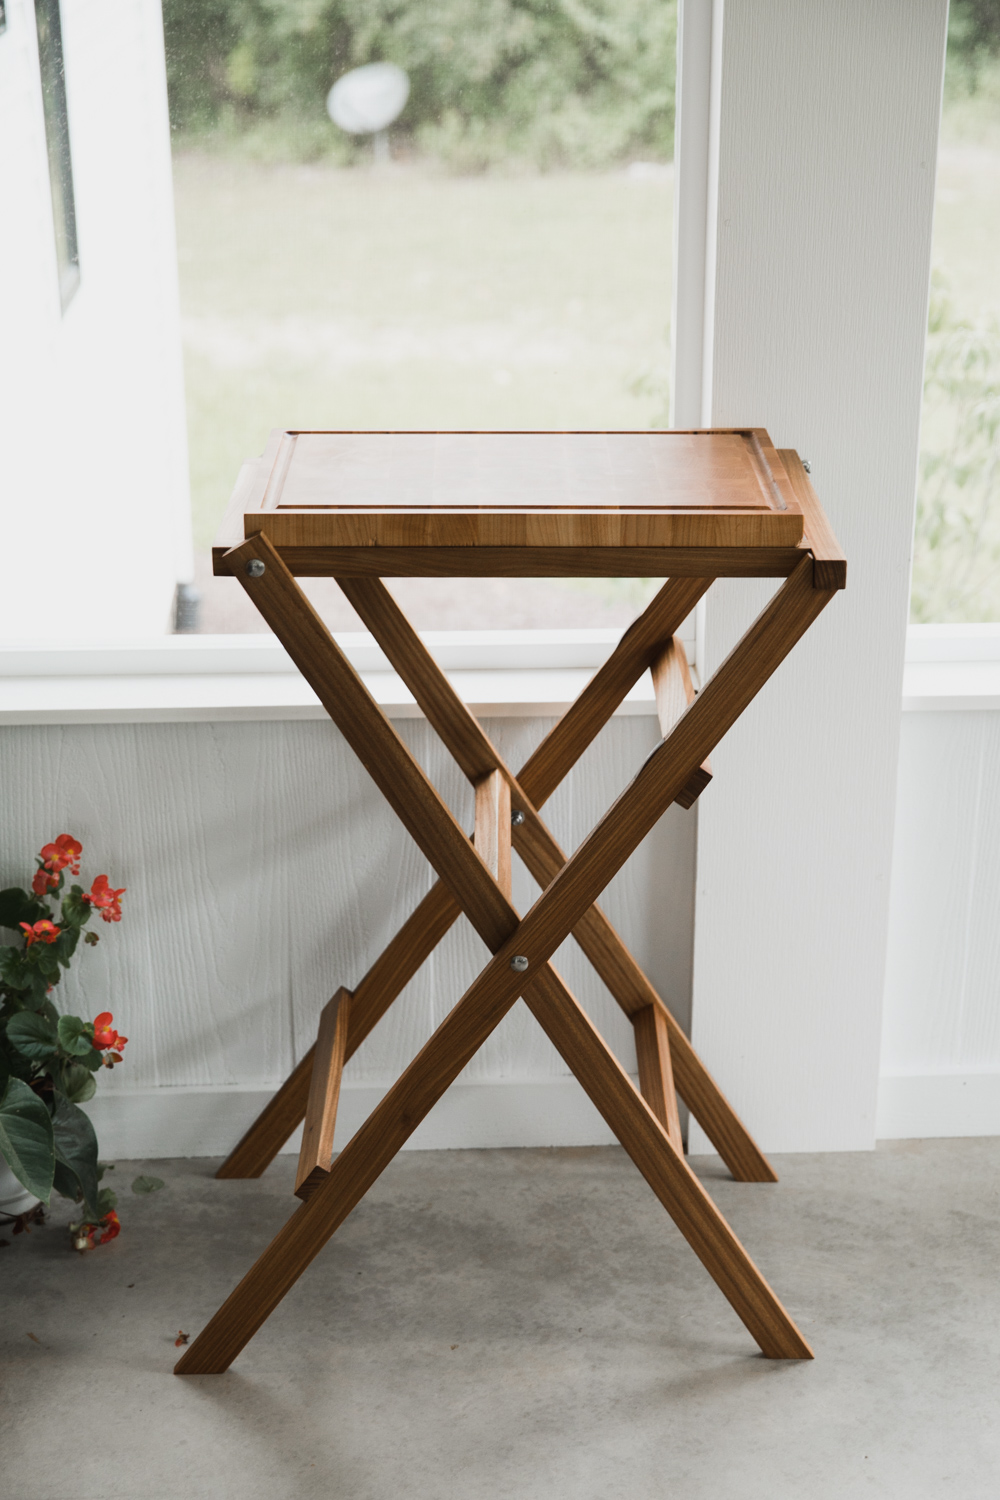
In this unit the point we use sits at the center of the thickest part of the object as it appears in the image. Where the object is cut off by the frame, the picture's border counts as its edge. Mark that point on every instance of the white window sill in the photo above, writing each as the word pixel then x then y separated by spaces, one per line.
pixel 518 673
pixel 952 668
pixel 184 679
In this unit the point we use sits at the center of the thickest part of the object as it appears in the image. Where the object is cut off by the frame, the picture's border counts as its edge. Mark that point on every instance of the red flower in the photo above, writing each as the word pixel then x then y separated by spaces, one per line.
pixel 111 1224
pixel 105 1036
pixel 107 900
pixel 42 932
pixel 43 882
pixel 84 1234
pixel 66 850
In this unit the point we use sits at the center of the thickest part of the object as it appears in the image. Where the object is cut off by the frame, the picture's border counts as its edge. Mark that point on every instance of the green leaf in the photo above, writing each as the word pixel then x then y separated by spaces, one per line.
pixel 75 1036
pixel 26 1138
pixel 33 1035
pixel 148 1184
pixel 17 906
pixel 78 1083
pixel 76 1155
pixel 12 969
pixel 107 1199
pixel 65 945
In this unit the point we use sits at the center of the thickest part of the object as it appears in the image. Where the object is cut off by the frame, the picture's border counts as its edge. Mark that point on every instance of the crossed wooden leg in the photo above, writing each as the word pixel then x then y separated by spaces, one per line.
pixel 520 964
pixel 666 1058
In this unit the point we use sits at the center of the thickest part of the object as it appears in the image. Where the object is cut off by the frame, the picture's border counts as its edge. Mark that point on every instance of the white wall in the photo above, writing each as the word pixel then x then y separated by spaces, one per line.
pixel 263 869
pixel 93 458
pixel 820 219
pixel 941 1024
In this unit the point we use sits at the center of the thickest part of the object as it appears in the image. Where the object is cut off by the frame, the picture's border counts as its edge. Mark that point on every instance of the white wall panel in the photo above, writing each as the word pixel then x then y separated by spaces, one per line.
pixel 263 869
pixel 825 185
pixel 941 1023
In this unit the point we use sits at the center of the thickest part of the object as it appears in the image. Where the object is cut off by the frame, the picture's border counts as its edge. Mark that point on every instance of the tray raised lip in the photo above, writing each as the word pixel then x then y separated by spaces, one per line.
pixel 275 462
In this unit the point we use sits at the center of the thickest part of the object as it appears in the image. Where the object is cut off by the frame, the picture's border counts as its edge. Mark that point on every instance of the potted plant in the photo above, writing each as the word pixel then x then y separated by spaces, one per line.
pixel 49 1062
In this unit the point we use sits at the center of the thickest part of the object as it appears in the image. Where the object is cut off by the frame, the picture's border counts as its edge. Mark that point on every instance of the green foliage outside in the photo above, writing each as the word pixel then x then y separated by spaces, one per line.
pixel 956 565
pixel 540 83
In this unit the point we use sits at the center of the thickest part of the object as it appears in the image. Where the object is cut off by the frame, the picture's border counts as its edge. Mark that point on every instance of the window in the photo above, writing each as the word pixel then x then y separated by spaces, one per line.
pixel 956 567
pixel 53 71
pixel 508 266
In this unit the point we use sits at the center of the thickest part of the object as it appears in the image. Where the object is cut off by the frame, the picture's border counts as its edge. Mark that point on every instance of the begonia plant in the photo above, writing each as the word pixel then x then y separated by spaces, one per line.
pixel 49 1061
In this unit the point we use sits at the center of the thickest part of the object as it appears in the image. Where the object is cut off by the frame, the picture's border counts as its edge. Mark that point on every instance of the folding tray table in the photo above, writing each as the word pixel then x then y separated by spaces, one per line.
pixel 359 507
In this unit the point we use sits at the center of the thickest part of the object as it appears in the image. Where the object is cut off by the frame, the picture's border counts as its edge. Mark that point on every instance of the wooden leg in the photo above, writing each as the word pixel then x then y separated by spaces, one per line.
pixel 570 1029
pixel 546 767
pixel 387 977
pixel 550 920
pixel 362 1160
pixel 468 742
pixel 493 827
pixel 640 646
pixel 656 1073
pixel 674 693
pixel 437 1065
pixel 324 1095
pixel 633 991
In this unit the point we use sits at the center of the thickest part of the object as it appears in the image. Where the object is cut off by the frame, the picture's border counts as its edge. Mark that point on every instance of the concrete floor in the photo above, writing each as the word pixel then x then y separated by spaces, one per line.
pixel 524 1324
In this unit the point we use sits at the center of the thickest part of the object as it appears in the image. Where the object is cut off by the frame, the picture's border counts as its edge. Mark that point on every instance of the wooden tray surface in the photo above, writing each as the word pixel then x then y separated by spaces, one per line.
pixel 573 504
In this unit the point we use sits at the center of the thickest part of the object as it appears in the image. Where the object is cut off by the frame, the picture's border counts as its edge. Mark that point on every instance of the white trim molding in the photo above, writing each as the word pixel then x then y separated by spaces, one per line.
pixel 919 1106
pixel 162 1122
pixel 952 668
pixel 499 674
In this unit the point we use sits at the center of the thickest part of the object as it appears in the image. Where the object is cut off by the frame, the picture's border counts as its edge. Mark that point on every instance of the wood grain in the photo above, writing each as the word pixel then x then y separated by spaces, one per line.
pixel 465 737
pixel 394 770
pixel 440 704
pixel 329 1055
pixel 581 723
pixel 721 488
pixel 674 692
pixel 492 837
pixel 830 571
pixel 633 992
pixel 718 706
pixel 664 1168
pixel 463 734
pixel 492 994
pixel 568 531
pixel 528 562
pixel 366 1156
pixel 388 976
pixel 656 1074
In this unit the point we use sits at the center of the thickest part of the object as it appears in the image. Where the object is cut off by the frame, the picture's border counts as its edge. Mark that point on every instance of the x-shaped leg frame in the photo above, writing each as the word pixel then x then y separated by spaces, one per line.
pixel 476 880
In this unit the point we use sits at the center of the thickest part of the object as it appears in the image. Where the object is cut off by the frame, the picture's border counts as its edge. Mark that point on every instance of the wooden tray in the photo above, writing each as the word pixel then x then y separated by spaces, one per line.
pixel 520 503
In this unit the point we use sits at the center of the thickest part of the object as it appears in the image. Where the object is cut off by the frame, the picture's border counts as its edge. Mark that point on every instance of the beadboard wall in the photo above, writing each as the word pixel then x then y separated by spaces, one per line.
pixel 941 1020
pixel 263 869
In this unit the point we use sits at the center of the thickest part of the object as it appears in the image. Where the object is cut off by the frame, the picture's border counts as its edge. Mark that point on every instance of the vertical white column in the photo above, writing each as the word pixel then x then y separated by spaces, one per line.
pixel 819 203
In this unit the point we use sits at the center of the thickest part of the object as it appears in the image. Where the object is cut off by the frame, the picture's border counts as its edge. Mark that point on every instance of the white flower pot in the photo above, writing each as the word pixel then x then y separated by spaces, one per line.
pixel 14 1199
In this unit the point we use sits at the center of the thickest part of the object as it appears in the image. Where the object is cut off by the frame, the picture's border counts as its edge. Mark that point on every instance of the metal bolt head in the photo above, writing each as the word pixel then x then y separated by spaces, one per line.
pixel 517 818
pixel 807 466
pixel 519 963
pixel 254 568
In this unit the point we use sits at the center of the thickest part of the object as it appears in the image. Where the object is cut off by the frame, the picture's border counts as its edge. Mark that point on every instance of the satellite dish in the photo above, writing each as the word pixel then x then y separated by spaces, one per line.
pixel 368 99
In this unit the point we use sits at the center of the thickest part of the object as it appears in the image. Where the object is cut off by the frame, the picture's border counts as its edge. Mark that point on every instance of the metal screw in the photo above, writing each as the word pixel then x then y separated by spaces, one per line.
pixel 519 963
pixel 807 466
pixel 517 818
pixel 254 568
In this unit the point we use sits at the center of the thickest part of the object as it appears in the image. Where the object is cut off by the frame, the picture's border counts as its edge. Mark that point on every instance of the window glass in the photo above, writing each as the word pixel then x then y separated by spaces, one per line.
pixel 956 567
pixel 498 257
pixel 53 71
